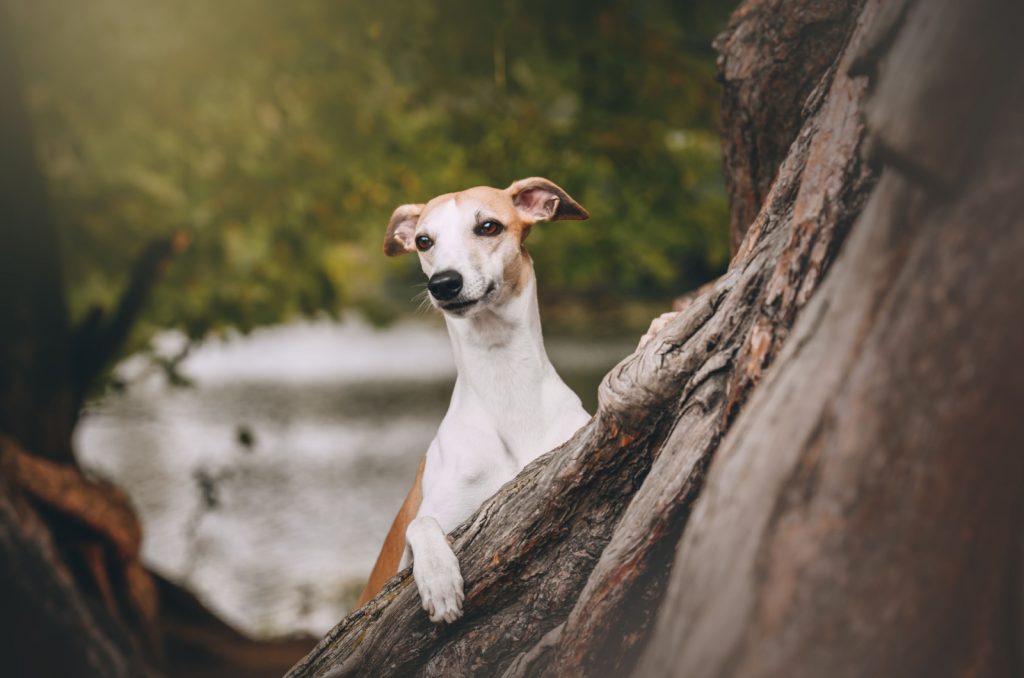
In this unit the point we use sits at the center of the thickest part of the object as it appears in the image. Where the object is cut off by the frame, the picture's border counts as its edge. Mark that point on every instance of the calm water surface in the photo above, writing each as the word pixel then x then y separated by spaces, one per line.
pixel 267 488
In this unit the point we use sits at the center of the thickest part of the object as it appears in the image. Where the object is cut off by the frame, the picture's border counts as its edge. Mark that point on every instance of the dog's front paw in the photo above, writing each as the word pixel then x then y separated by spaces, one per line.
pixel 439 581
pixel 656 326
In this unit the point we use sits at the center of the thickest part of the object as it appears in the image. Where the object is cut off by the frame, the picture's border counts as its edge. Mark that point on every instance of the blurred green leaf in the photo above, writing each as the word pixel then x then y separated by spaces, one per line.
pixel 281 135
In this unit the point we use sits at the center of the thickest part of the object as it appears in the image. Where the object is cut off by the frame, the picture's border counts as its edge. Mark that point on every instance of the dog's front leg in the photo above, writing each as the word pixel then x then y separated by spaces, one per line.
pixel 435 569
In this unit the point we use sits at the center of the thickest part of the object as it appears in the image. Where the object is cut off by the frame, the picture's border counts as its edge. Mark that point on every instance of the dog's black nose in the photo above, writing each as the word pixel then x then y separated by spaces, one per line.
pixel 445 285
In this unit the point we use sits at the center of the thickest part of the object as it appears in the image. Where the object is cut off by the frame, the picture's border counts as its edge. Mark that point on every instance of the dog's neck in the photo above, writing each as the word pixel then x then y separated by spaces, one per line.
pixel 499 353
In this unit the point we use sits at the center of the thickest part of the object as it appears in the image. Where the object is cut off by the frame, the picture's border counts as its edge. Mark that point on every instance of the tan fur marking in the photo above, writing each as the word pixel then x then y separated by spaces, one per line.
pixel 498 203
pixel 517 272
pixel 394 544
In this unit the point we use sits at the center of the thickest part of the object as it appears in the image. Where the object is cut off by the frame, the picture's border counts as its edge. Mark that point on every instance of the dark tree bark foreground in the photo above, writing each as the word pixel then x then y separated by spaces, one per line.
pixel 863 515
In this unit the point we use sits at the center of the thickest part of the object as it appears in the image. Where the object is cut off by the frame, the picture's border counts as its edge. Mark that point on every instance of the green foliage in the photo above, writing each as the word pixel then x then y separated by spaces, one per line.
pixel 280 135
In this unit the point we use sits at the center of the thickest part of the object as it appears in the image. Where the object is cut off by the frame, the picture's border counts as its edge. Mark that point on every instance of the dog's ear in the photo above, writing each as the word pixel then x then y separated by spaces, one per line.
pixel 538 199
pixel 398 239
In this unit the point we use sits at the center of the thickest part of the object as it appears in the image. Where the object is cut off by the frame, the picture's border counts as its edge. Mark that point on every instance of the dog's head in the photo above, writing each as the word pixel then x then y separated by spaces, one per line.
pixel 470 243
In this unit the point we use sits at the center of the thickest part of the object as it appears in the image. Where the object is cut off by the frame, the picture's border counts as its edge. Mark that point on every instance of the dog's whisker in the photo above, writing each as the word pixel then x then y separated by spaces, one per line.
pixel 422 301
pixel 424 306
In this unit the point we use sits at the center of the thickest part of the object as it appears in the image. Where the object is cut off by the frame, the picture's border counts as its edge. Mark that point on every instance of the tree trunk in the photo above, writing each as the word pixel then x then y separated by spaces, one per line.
pixel 36 400
pixel 864 514
pixel 61 577
pixel 771 58
pixel 49 626
pixel 75 600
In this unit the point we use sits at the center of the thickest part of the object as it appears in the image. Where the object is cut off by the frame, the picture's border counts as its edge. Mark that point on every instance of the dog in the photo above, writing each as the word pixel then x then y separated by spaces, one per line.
pixel 509 406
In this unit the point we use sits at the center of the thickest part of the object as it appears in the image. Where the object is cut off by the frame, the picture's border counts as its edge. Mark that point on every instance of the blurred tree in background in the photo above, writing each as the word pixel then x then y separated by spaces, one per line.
pixel 279 136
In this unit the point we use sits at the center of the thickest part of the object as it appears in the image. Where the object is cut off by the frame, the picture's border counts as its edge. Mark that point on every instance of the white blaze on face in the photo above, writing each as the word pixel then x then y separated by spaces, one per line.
pixel 442 225
pixel 457 248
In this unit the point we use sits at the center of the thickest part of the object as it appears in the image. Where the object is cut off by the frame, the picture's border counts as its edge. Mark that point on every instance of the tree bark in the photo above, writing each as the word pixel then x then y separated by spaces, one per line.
pixel 49 626
pixel 77 600
pixel 864 516
pixel 821 188
pixel 771 58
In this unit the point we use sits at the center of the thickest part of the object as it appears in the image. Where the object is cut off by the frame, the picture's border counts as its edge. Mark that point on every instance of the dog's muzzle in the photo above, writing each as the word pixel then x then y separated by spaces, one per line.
pixel 445 285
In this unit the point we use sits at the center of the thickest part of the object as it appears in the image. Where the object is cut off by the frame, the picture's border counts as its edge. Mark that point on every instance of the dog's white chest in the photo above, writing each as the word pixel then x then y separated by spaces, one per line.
pixel 484 442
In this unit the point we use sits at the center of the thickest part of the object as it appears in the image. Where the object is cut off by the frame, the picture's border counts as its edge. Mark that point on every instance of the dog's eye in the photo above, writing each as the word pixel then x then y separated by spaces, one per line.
pixel 489 227
pixel 424 243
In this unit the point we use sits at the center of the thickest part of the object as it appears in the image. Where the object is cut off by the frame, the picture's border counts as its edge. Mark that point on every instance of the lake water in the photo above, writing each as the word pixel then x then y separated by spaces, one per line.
pixel 268 486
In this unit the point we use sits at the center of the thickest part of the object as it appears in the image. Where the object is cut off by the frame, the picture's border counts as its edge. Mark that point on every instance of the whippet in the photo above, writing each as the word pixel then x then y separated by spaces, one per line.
pixel 509 405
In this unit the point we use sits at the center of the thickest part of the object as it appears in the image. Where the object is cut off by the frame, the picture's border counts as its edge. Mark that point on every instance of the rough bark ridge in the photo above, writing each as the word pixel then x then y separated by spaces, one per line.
pixel 564 566
pixel 864 515
pixel 52 627
pixel 771 58
pixel 77 599
pixel 820 190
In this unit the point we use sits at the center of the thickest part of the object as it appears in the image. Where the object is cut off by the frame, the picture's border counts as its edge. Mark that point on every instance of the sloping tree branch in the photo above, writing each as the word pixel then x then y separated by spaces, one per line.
pixel 815 210
pixel 98 340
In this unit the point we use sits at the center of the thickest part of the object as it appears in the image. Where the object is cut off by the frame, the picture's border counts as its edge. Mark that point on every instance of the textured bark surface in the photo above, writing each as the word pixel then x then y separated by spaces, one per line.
pixel 771 59
pixel 820 190
pixel 565 565
pixel 77 600
pixel 49 626
pixel 864 516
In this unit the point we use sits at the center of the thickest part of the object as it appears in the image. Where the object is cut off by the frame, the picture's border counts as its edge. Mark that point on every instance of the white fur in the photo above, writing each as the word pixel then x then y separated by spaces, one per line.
pixel 509 405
